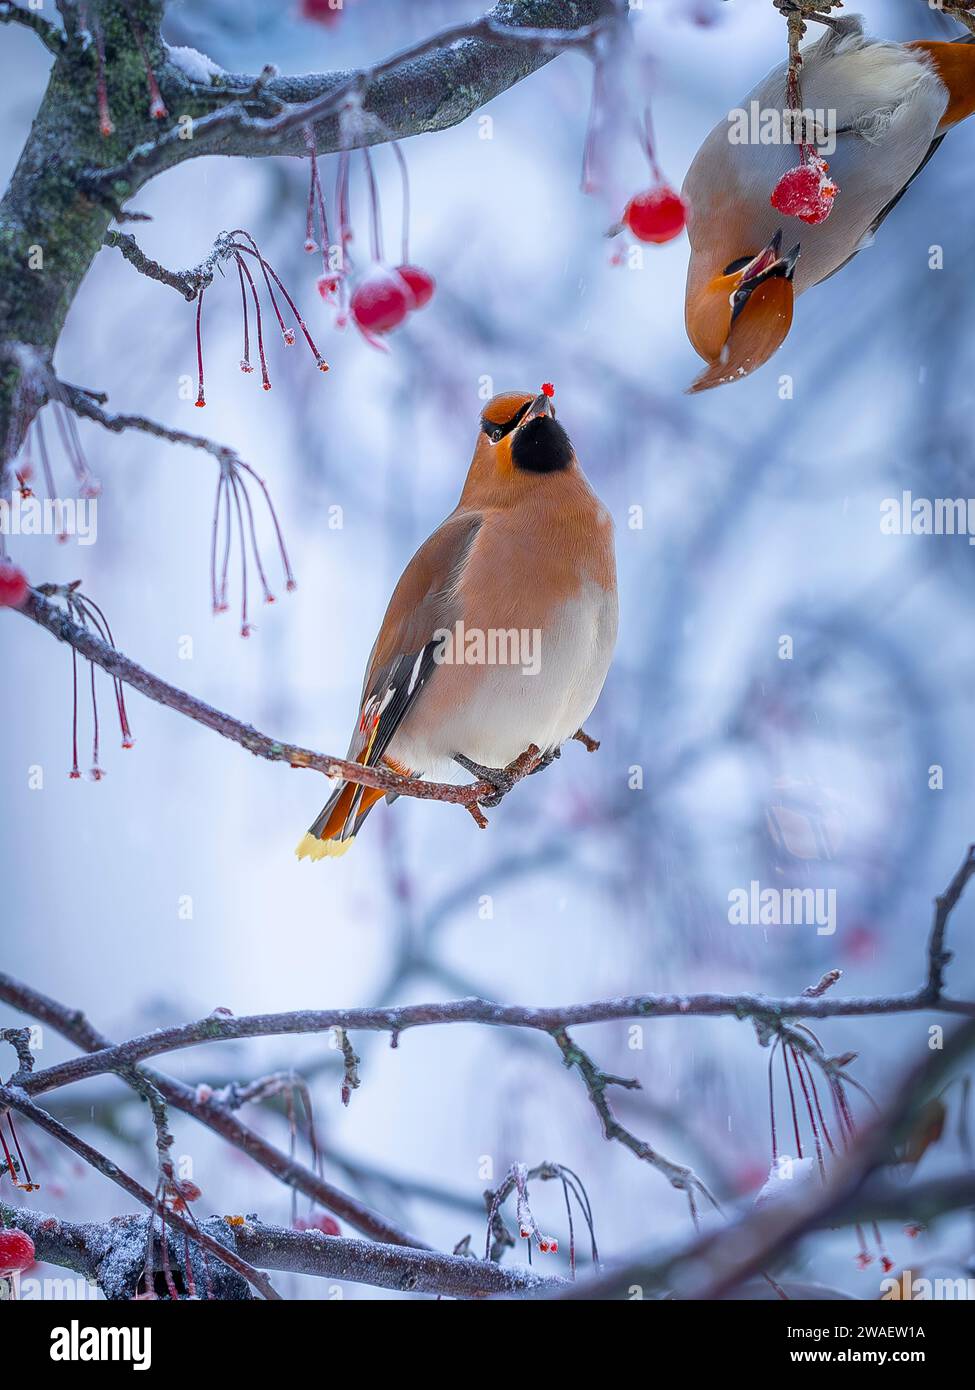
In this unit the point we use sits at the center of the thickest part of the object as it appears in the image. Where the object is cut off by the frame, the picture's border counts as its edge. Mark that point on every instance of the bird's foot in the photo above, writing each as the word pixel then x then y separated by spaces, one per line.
pixel 546 760
pixel 499 777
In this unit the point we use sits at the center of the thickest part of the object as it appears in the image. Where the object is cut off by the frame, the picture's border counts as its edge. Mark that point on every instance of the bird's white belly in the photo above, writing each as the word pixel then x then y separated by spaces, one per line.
pixel 490 713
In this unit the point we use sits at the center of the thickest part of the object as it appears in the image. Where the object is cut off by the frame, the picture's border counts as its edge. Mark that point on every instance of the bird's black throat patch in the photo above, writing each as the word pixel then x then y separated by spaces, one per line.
pixel 541 446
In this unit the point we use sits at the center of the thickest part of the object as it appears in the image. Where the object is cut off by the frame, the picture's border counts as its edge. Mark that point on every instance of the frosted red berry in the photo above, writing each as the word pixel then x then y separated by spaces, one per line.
pixel 657 215
pixel 326 1224
pixel 16 1251
pixel 381 300
pixel 421 283
pixel 806 192
pixel 13 585
pixel 322 11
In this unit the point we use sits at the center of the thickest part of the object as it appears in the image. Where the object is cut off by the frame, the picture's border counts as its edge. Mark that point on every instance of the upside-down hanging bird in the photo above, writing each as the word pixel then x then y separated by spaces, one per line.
pixel 892 105
pixel 500 631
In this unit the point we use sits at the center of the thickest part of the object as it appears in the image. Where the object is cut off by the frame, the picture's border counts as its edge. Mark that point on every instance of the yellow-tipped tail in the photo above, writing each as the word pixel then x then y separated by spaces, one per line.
pixel 311 847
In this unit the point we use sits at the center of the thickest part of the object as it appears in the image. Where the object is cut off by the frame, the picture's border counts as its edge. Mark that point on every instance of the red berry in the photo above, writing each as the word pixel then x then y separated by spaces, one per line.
pixel 322 11
pixel 326 1224
pixel 381 300
pixel 548 389
pixel 806 192
pixel 420 282
pixel 16 1251
pixel 657 215
pixel 13 585
pixel 327 286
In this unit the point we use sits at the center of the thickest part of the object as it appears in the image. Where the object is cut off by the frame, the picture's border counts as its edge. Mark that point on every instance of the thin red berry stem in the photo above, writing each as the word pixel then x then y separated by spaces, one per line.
pixel 649 145
pixel 245 361
pixel 45 458
pixel 819 1109
pixel 106 125
pixel 200 397
pixel 268 596
pixel 242 265
pixel 792 1101
pixel 405 180
pixel 285 561
pixel 286 333
pixel 96 770
pixel 157 107
pixel 375 213
pixel 75 770
pixel 269 270
pixel 244 624
pixel 342 180
pixel 814 1127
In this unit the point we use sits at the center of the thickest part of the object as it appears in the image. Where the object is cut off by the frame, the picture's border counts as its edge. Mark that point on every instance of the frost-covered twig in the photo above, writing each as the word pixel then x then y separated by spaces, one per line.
pixel 204 1107
pixel 14 1098
pixel 187 282
pixel 83 1248
pixel 456 70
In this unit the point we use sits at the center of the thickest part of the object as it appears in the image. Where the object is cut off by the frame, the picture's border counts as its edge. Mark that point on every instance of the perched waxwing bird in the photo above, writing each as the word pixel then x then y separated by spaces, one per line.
pixel 500 632
pixel 892 105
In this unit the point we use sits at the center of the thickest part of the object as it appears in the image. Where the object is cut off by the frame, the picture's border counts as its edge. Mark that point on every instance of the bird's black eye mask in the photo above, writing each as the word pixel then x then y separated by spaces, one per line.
pixel 494 431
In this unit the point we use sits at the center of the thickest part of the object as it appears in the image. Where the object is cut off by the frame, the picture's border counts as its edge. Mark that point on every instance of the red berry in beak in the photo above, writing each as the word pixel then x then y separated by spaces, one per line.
pixel 13 585
pixel 421 284
pixel 657 215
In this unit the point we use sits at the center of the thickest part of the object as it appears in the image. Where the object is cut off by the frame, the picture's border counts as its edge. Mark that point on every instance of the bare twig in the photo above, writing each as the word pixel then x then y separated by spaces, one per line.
pixel 597 1082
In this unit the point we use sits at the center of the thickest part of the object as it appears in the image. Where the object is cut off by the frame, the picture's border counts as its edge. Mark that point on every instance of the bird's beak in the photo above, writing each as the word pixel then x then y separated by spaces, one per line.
pixel 768 263
pixel 541 405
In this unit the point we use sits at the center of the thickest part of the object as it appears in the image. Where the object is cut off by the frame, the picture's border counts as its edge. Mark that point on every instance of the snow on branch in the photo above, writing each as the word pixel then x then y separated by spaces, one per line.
pixel 428 86
pixel 99 1251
